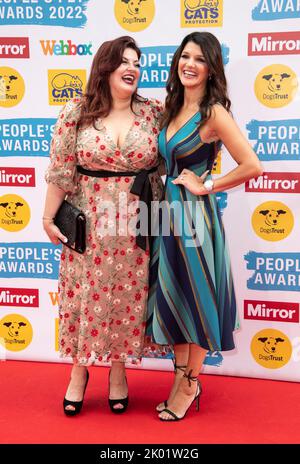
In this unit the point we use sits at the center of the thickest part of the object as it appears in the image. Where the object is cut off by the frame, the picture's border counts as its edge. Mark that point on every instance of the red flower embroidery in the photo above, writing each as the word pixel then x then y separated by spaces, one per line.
pixel 118 322
pixel 96 296
pixel 96 187
pixel 135 332
pixel 138 296
pixel 139 260
pixel 72 328
pixel 97 260
pixel 70 293
pixel 94 333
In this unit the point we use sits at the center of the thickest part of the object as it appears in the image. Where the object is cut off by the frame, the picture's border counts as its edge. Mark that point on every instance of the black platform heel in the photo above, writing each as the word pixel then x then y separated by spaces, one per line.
pixel 165 403
pixel 197 399
pixel 76 404
pixel 122 401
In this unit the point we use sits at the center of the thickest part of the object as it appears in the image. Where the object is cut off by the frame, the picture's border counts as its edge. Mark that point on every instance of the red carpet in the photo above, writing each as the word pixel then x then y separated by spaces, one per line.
pixel 232 409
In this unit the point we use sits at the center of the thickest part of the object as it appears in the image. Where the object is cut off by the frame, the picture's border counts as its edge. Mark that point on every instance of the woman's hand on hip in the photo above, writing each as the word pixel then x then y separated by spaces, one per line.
pixel 192 182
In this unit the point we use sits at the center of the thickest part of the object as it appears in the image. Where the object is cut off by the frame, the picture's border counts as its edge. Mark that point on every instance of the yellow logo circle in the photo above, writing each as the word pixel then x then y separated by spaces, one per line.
pixel 14 213
pixel 134 15
pixel 276 85
pixel 272 221
pixel 271 348
pixel 12 87
pixel 192 4
pixel 15 332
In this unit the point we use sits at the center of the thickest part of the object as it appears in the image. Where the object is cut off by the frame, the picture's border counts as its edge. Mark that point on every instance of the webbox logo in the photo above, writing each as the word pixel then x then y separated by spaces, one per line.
pixel 14 47
pixel 271 311
pixel 274 43
pixel 63 48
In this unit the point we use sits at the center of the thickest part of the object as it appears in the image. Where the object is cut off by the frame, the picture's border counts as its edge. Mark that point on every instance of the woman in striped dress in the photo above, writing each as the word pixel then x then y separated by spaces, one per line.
pixel 192 303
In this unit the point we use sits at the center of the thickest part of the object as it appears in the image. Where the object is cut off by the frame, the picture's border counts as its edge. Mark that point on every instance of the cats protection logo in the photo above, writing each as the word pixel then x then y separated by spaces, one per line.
pixel 15 332
pixel 271 348
pixel 14 213
pixel 134 15
pixel 65 84
pixel 12 87
pixel 276 85
pixel 272 221
pixel 201 13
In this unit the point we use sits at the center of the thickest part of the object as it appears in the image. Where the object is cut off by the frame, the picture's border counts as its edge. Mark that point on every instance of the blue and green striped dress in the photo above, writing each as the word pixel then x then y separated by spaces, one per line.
pixel 191 298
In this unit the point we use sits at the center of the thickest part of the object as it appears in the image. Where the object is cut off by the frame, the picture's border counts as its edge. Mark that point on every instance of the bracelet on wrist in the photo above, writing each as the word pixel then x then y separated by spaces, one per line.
pixel 46 218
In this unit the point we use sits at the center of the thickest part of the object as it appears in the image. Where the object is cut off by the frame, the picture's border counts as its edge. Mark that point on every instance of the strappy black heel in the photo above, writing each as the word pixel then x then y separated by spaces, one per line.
pixel 122 401
pixel 165 403
pixel 196 398
pixel 77 405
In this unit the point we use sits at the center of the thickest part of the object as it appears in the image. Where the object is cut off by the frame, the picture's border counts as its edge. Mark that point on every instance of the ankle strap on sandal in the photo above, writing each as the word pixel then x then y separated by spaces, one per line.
pixel 189 377
pixel 180 368
pixel 176 366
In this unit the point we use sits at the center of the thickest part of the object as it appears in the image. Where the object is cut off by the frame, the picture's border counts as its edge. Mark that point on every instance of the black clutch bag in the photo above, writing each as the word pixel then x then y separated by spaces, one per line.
pixel 72 223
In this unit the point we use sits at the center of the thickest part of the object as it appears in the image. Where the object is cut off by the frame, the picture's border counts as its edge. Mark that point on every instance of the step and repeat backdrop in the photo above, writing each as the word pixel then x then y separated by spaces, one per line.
pixel 46 49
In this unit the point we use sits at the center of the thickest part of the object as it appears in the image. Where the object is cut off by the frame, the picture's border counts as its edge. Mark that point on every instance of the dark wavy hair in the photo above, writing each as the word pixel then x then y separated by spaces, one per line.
pixel 97 99
pixel 216 87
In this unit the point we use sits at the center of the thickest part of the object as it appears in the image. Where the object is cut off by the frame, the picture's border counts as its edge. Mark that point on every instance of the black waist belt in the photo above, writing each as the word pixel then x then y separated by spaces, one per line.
pixel 141 187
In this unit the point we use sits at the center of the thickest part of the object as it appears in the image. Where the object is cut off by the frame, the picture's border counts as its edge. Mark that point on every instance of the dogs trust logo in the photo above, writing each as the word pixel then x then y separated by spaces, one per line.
pixel 271 348
pixel 15 332
pixel 201 13
pixel 134 15
pixel 276 85
pixel 14 213
pixel 65 84
pixel 12 87
pixel 272 221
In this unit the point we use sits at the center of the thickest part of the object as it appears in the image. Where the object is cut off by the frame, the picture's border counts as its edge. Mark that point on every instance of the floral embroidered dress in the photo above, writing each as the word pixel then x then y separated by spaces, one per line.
pixel 103 292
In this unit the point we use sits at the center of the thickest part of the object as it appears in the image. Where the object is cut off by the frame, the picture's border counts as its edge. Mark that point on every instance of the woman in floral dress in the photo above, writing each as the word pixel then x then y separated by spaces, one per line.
pixel 103 292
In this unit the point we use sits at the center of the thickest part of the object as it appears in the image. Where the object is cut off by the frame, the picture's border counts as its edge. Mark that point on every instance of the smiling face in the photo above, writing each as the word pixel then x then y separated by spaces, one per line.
pixel 124 80
pixel 192 67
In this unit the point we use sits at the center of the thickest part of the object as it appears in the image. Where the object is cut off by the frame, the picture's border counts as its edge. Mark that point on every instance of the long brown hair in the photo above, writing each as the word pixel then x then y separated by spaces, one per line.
pixel 216 86
pixel 97 100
